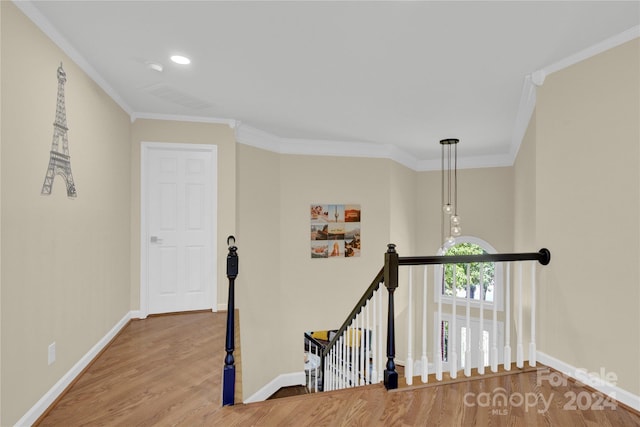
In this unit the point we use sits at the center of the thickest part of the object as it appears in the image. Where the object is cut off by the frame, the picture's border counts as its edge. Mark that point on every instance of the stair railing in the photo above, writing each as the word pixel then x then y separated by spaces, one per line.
pixel 229 372
pixel 353 356
pixel 446 343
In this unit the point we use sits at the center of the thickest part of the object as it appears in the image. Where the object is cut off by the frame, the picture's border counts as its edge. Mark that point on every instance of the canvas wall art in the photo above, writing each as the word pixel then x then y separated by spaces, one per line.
pixel 335 230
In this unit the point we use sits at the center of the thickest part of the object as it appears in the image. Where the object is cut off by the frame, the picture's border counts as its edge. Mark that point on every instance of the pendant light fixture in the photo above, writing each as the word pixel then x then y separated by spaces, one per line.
pixel 450 219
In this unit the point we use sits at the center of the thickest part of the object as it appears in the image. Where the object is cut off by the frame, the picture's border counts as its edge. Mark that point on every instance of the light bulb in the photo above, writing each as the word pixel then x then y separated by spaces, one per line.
pixel 448 209
pixel 455 219
pixel 456 230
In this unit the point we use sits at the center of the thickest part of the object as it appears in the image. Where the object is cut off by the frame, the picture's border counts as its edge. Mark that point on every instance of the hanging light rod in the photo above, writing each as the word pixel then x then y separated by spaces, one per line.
pixel 450 219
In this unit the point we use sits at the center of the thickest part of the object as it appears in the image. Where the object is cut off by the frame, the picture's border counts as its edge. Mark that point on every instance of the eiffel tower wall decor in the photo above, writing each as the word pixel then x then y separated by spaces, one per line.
pixel 60 161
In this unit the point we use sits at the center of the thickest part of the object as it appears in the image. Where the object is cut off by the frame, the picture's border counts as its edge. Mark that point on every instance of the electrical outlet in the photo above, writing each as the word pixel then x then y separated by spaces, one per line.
pixel 52 353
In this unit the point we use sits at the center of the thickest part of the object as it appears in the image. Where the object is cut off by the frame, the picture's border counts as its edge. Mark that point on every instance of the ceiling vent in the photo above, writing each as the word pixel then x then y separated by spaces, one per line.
pixel 169 94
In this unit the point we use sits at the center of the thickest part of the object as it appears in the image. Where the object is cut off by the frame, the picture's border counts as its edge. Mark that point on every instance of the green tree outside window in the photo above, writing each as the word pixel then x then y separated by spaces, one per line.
pixel 487 269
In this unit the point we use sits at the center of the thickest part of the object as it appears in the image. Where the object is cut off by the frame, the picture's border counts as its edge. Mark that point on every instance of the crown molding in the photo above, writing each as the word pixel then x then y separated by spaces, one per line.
pixel 610 43
pixel 178 118
pixel 27 7
pixel 248 135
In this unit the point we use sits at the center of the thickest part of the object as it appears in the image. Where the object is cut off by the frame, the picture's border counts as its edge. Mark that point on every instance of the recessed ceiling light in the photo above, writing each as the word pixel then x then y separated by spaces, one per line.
pixel 155 66
pixel 182 60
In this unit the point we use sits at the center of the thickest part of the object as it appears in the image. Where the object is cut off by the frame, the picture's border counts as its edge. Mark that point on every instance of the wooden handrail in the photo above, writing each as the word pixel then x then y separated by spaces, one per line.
pixel 543 256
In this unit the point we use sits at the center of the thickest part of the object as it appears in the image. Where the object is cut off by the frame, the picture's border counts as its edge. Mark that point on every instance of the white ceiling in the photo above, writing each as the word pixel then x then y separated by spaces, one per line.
pixel 382 78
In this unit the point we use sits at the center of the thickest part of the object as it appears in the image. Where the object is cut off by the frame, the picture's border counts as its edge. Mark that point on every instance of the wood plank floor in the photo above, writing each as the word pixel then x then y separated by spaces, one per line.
pixel 155 372
pixel 167 371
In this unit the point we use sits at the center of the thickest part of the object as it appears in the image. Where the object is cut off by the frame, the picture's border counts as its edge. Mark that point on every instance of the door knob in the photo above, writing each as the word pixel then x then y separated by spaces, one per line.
pixel 155 239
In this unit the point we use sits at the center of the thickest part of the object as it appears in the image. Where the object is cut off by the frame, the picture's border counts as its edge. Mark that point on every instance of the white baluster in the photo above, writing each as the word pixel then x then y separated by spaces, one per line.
pixel 481 334
pixel 343 361
pixel 325 375
pixel 362 346
pixel 351 349
pixel 494 332
pixel 329 370
pixel 381 358
pixel 324 372
pixel 356 353
pixel 467 349
pixel 334 366
pixel 354 356
pixel 453 343
pixel 358 347
pixel 367 343
pixel 349 370
pixel 532 344
pixel 308 371
pixel 507 323
pixel 424 359
pixel 408 369
pixel 440 329
pixel 316 370
pixel 347 359
pixel 374 337
pixel 519 347
pixel 326 380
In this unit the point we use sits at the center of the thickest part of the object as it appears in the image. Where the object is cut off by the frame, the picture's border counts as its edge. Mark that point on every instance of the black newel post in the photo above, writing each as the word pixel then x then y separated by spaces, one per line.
pixel 229 375
pixel 391 282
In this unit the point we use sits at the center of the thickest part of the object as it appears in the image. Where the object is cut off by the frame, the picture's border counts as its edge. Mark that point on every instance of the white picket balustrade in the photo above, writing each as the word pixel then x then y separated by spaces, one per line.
pixel 456 341
pixel 356 358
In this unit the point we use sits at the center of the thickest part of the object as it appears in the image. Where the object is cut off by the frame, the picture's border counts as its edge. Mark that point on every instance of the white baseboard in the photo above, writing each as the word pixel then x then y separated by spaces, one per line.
pixel 284 380
pixel 54 392
pixel 222 307
pixel 593 380
pixel 136 314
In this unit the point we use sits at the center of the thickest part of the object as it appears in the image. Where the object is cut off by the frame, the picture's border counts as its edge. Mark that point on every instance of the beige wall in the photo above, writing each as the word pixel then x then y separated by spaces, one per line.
pixel 282 292
pixel 485 198
pixel 0 216
pixel 65 275
pixel 587 210
pixel 402 208
pixel 258 295
pixel 525 191
pixel 167 131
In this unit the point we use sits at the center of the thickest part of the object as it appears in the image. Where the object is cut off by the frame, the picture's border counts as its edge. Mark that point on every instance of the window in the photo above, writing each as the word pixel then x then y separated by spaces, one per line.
pixel 469 276
pixel 468 339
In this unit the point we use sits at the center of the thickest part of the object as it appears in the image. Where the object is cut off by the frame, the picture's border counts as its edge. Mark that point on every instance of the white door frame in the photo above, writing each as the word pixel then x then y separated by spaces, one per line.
pixel 145 148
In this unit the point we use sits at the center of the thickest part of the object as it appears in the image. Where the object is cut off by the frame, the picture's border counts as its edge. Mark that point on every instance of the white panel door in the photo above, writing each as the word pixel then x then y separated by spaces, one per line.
pixel 180 224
